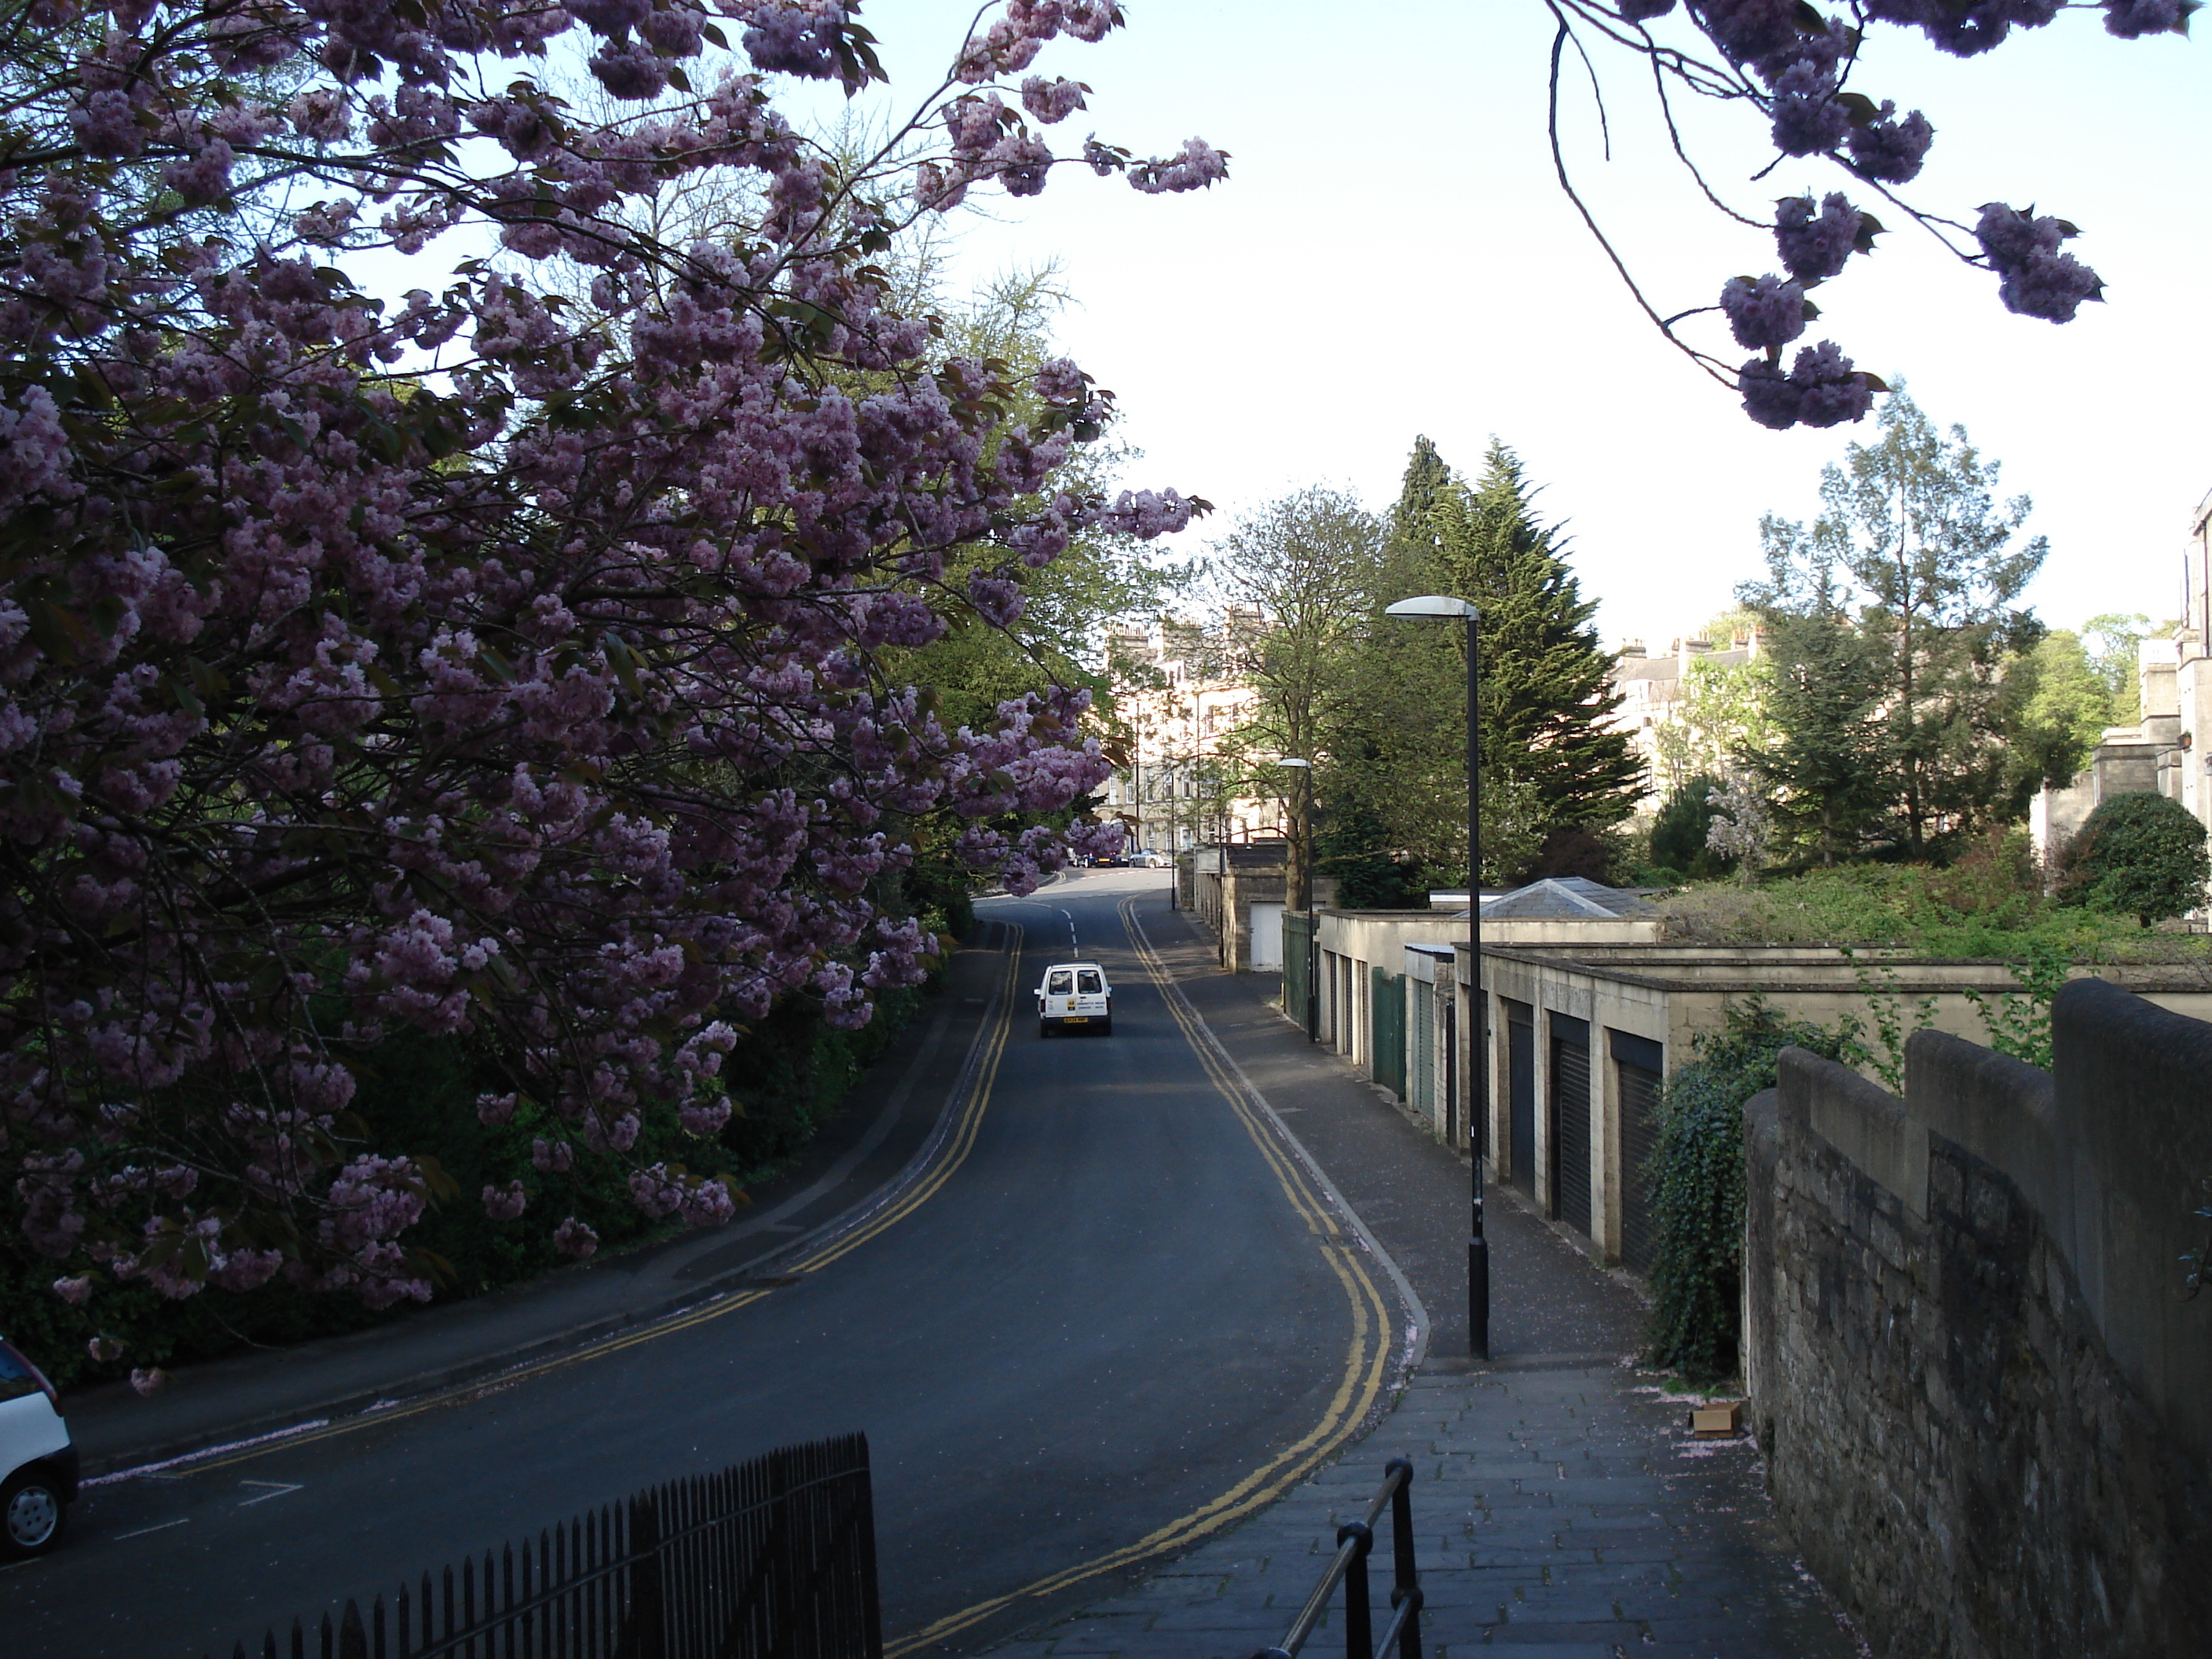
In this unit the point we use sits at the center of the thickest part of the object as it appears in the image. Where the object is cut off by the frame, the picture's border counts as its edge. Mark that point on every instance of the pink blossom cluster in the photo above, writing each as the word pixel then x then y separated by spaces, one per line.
pixel 480 663
pixel 2039 278
pixel 1798 67
pixel 990 143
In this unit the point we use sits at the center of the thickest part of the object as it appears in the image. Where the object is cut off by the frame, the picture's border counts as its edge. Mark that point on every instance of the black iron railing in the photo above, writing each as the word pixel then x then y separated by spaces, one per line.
pixel 1355 1541
pixel 775 1558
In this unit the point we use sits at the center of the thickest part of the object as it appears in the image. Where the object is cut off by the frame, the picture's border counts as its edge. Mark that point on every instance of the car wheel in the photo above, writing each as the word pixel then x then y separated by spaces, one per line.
pixel 31 1513
pixel 1106 1028
pixel 1043 1029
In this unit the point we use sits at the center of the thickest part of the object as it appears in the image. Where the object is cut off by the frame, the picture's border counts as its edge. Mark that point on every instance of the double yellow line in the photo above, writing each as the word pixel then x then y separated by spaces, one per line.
pixel 1367 1352
pixel 981 1075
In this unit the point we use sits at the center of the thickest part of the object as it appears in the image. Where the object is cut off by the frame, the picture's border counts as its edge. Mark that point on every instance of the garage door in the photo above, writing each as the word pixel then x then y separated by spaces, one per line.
pixel 1570 1121
pixel 1640 1069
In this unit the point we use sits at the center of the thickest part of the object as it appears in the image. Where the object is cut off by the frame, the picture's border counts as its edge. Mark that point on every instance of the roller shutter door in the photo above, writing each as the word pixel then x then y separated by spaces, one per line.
pixel 1521 1095
pixel 1570 1121
pixel 1640 1066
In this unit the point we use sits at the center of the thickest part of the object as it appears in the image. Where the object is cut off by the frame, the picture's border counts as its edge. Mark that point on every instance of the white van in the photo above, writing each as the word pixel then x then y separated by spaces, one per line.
pixel 38 1461
pixel 1074 993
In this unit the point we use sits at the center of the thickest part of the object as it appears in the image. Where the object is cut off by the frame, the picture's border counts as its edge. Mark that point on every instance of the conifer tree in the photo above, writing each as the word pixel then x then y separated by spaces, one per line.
pixel 1413 542
pixel 1550 765
pixel 1920 554
pixel 1546 696
pixel 1830 756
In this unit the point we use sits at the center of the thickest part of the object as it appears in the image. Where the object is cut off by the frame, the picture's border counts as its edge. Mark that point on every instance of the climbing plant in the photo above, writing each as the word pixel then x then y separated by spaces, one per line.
pixel 1894 1019
pixel 1695 1179
pixel 2020 1021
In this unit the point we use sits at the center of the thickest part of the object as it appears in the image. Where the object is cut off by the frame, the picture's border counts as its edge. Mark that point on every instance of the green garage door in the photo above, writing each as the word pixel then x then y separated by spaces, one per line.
pixel 1297 971
pixel 1386 1030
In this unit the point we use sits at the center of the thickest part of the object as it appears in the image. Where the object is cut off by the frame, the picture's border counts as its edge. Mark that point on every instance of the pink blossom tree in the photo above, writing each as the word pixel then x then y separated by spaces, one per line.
pixel 481 662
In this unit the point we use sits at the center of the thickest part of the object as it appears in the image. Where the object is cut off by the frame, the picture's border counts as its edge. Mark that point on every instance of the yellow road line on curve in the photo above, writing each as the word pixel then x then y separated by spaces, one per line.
pixel 1366 1358
pixel 963 1142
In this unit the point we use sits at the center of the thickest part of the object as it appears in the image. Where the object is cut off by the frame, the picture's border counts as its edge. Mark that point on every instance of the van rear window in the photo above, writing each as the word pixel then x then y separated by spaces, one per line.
pixel 16 1377
pixel 1089 982
pixel 1060 985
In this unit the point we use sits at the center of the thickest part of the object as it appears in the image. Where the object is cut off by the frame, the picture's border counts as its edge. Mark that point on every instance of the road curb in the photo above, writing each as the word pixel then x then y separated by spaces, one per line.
pixel 460 1376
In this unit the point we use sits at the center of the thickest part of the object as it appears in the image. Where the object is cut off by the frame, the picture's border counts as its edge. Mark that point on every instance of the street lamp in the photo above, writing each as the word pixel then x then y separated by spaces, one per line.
pixel 1304 896
pixel 1440 605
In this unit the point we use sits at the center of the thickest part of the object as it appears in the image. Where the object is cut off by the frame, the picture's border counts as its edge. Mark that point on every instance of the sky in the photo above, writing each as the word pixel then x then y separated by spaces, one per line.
pixel 1391 255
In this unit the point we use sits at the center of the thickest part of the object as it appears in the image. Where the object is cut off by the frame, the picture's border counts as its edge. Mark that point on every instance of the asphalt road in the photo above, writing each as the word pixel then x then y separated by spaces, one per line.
pixel 1120 1315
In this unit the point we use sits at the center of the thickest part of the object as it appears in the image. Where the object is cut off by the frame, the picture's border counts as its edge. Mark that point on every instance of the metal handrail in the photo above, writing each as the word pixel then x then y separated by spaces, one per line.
pixel 1355 1541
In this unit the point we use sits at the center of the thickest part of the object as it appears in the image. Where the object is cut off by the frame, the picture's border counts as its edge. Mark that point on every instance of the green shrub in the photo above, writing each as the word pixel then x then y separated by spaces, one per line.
pixel 1695 1181
pixel 2140 855
pixel 1678 834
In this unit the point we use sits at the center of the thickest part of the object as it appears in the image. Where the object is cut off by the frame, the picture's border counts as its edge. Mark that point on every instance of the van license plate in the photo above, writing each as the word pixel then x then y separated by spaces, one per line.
pixel 1075 1019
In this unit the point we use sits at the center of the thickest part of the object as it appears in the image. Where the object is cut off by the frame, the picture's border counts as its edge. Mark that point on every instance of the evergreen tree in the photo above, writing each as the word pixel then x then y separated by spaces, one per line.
pixel 1412 544
pixel 1912 541
pixel 1397 755
pixel 1546 697
pixel 2138 854
pixel 1681 834
pixel 1394 780
pixel 1828 762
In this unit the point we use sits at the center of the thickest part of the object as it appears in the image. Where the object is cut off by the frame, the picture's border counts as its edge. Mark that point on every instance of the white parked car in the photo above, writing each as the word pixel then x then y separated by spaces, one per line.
pixel 1074 993
pixel 38 1462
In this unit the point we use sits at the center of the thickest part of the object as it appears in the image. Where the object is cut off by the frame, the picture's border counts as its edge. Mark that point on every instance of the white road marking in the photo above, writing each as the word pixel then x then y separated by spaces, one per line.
pixel 204 1452
pixel 280 1487
pixel 185 1522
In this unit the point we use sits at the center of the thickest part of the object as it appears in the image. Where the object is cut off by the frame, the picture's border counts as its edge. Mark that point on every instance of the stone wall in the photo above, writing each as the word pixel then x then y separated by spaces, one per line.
pixel 1221 884
pixel 1982 1398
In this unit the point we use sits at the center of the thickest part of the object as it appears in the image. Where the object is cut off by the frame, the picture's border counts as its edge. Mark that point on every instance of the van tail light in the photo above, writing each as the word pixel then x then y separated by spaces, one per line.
pixel 53 1397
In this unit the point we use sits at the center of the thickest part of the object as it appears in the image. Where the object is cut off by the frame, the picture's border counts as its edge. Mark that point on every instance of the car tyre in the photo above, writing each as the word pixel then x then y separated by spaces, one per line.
pixel 32 1513
pixel 1106 1028
pixel 1044 1029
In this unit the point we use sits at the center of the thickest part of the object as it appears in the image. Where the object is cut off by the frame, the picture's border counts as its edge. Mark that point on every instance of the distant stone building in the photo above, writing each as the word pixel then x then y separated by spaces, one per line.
pixel 1651 692
pixel 1183 786
pixel 2169 748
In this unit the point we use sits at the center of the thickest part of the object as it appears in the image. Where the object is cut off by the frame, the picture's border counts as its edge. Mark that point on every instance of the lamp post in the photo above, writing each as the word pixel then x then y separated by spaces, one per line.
pixel 1303 896
pixel 1478 1067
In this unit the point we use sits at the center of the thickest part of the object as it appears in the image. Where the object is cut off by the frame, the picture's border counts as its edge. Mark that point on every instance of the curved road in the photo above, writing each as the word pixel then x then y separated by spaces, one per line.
pixel 1114 1317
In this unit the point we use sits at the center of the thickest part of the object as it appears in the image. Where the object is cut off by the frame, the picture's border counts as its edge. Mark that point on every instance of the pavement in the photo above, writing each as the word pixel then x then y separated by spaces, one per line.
pixel 1558 1500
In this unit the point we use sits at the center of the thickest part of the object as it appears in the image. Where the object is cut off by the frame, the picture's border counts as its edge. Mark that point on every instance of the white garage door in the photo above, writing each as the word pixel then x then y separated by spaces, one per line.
pixel 1267 938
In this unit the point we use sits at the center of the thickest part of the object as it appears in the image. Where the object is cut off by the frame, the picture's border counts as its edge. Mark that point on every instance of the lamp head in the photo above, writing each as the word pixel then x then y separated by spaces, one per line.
pixel 1287 761
pixel 1432 604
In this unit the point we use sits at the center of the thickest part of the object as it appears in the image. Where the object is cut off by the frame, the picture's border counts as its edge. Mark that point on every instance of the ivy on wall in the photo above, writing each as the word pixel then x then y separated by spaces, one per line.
pixel 1695 1179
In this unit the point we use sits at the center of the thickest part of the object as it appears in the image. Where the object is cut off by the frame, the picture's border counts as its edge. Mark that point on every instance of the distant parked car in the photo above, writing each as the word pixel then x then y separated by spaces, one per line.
pixel 39 1461
pixel 1074 993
